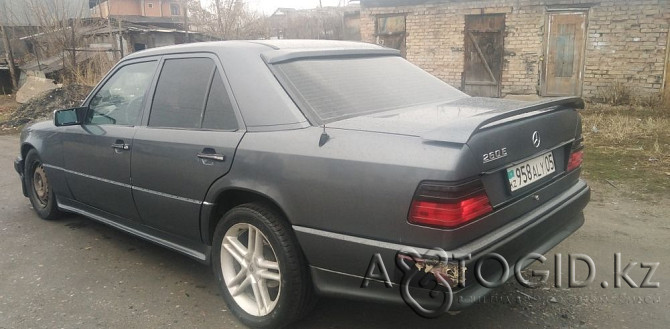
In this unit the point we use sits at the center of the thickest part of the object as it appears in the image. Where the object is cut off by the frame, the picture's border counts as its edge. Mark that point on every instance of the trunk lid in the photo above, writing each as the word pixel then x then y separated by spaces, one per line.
pixel 453 122
pixel 500 134
pixel 430 118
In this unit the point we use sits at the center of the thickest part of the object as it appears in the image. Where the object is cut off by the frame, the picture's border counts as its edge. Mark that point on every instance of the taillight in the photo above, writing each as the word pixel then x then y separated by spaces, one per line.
pixel 576 155
pixel 444 205
pixel 575 161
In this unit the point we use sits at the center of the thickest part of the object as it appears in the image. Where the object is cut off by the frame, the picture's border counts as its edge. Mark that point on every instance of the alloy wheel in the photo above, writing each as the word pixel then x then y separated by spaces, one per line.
pixel 250 269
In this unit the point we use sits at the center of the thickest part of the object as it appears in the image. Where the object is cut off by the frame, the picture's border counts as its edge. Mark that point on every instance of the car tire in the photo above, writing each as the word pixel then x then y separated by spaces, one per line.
pixel 268 286
pixel 39 189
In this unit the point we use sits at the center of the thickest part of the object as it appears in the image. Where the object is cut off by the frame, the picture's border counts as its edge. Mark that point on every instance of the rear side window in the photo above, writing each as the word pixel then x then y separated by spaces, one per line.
pixel 219 112
pixel 334 89
pixel 181 93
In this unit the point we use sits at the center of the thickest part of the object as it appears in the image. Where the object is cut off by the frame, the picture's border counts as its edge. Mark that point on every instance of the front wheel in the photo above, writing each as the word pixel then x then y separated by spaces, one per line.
pixel 40 191
pixel 260 268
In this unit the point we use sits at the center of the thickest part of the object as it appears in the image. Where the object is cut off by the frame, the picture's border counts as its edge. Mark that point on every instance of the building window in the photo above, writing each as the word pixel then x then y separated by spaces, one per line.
pixel 390 31
pixel 174 9
pixel 139 46
pixel 389 25
pixel 150 5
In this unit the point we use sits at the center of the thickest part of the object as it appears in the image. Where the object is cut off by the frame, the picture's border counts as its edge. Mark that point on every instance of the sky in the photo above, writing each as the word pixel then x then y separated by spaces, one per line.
pixel 269 6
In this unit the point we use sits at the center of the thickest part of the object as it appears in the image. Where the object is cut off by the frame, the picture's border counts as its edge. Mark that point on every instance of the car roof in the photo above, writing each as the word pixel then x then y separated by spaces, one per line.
pixel 266 47
pixel 245 65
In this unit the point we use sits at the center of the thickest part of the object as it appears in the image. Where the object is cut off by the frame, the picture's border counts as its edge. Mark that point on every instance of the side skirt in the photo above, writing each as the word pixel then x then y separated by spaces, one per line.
pixel 199 252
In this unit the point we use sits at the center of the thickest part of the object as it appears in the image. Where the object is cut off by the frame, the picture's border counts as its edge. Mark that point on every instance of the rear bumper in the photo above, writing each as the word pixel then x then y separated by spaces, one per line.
pixel 339 262
pixel 18 166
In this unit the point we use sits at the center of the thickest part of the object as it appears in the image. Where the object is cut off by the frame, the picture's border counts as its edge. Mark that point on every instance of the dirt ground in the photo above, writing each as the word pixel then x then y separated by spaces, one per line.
pixel 7 106
pixel 77 273
pixel 628 147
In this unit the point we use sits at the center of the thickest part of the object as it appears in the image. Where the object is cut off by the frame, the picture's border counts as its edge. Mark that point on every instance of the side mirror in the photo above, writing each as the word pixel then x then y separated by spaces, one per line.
pixel 70 117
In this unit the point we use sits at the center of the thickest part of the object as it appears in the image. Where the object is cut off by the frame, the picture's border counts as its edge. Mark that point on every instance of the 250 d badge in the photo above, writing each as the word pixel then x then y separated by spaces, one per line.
pixel 495 155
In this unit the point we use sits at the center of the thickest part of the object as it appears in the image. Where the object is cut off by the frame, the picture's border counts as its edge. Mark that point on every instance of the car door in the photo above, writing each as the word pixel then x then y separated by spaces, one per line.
pixel 189 141
pixel 97 152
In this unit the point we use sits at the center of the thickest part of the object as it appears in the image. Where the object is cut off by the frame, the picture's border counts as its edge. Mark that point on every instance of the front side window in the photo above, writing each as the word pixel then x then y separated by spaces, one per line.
pixel 119 101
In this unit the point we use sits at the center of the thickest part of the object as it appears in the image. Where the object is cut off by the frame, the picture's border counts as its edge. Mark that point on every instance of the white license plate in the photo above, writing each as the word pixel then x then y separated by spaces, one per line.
pixel 531 171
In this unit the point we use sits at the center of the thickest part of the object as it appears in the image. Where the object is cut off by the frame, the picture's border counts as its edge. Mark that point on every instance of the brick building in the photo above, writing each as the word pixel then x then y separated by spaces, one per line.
pixel 147 8
pixel 547 47
pixel 141 24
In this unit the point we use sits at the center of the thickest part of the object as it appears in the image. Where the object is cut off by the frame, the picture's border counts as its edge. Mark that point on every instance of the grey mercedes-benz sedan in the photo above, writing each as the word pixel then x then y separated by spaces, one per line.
pixel 307 168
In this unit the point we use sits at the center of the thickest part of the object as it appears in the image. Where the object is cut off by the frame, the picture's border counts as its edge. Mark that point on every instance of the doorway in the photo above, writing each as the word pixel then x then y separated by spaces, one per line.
pixel 565 39
pixel 484 53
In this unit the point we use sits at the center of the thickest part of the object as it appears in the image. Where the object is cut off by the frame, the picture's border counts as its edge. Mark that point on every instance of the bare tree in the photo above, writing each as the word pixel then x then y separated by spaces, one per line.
pixel 60 24
pixel 318 23
pixel 229 19
pixel 219 19
pixel 240 22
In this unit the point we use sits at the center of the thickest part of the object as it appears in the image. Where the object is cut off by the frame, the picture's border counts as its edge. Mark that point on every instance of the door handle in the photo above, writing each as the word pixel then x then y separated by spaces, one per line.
pixel 209 153
pixel 120 145
pixel 212 156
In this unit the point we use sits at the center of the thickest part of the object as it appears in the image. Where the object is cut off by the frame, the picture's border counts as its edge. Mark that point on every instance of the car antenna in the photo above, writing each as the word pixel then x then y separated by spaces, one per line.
pixel 324 137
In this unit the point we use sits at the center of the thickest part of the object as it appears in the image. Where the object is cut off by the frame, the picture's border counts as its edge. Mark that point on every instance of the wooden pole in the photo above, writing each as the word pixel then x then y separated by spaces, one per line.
pixel 74 51
pixel 111 34
pixel 666 75
pixel 121 38
pixel 187 36
pixel 37 53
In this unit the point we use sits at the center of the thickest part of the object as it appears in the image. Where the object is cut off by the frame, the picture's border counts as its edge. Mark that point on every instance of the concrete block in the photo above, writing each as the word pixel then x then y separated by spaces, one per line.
pixel 34 86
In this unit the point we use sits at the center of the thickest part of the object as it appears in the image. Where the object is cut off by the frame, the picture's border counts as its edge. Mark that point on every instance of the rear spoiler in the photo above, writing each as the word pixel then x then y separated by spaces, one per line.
pixel 460 131
pixel 281 56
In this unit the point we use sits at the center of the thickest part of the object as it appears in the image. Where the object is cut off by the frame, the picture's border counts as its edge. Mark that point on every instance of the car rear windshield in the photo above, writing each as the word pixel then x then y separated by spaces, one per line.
pixel 334 89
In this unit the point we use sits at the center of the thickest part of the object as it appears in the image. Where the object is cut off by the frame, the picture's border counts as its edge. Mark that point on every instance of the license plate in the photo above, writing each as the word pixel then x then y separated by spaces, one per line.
pixel 531 171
